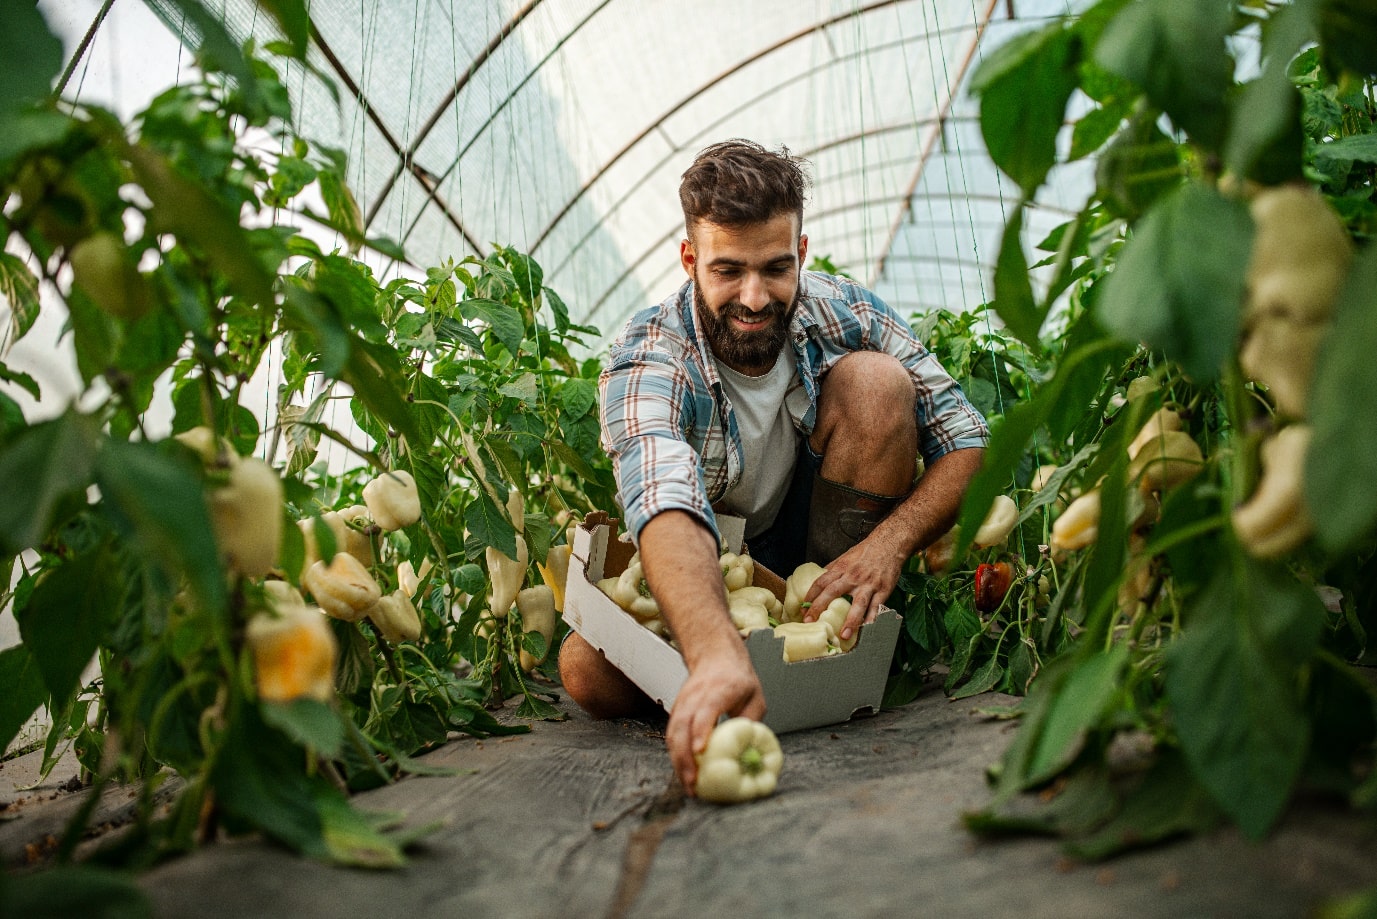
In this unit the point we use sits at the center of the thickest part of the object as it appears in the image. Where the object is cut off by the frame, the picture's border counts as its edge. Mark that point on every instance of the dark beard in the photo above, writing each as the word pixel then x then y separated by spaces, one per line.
pixel 750 350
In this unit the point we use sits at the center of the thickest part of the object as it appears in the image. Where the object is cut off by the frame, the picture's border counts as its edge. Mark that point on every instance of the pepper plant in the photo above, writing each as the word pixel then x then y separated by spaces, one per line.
pixel 166 243
pixel 1208 675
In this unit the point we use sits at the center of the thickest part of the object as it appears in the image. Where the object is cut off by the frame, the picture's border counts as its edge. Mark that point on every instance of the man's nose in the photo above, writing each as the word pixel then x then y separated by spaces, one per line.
pixel 754 296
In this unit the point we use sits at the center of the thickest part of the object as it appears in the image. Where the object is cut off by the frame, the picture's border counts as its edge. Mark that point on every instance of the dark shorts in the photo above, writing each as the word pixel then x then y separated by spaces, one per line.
pixel 781 548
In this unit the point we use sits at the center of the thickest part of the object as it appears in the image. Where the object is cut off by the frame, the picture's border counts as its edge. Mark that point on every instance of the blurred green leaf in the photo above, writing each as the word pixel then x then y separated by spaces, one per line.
pixel 159 503
pixel 1341 463
pixel 1024 86
pixel 1013 288
pixel 70 614
pixel 1176 51
pixel 1231 682
pixel 24 691
pixel 74 892
pixel 32 56
pixel 1178 285
pixel 52 459
pixel 19 289
pixel 310 723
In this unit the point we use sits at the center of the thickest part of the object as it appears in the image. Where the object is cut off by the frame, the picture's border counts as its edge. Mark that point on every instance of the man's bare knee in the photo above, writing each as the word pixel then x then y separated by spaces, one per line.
pixel 598 687
pixel 867 430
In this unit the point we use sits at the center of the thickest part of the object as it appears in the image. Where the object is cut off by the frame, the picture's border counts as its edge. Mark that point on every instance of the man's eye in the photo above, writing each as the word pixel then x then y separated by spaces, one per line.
pixel 779 269
pixel 726 272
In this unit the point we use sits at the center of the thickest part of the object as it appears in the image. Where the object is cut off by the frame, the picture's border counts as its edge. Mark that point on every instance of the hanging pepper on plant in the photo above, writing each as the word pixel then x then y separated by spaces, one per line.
pixel 508 574
pixel 991 585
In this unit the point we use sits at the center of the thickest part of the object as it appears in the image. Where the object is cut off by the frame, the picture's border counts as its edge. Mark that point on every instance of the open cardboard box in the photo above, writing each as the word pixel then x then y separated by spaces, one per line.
pixel 802 694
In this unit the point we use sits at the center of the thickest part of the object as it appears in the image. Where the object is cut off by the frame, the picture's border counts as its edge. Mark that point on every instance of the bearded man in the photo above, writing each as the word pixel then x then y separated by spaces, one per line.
pixel 794 399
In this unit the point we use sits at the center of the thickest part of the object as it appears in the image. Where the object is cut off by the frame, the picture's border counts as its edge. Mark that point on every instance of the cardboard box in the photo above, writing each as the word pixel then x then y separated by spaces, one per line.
pixel 802 694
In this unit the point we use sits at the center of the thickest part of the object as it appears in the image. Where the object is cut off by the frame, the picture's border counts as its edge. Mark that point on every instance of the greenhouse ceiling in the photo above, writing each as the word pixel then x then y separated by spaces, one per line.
pixel 561 127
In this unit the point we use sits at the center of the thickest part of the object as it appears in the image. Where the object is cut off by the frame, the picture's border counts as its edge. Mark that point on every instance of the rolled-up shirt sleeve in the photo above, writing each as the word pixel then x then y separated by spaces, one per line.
pixel 645 398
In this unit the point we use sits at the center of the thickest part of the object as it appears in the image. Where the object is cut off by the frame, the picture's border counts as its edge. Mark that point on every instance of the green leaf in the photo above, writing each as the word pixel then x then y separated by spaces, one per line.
pixel 1231 683
pixel 19 289
pixel 560 311
pixel 310 723
pixel 1167 803
pixel 983 680
pixel 1179 282
pixel 523 389
pixel 1266 114
pixel 189 212
pixel 488 524
pixel 374 373
pixel 1349 35
pixel 74 892
pixel 291 15
pixel 32 56
pixel 536 708
pixel 1024 86
pixel 52 459
pixel 1361 148
pixel 1177 52
pixel 159 503
pixel 24 691
pixel 1095 127
pixel 469 579
pixel 11 418
pixel 1341 464
pixel 578 396
pixel 504 321
pixel 1140 166
pixel 69 615
pixel 1013 289
pixel 344 212
pixel 1077 706
pixel 527 274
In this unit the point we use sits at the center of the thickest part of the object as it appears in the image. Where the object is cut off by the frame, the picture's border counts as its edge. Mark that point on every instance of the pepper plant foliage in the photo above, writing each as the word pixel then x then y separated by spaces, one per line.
pixel 1187 675
pixel 159 238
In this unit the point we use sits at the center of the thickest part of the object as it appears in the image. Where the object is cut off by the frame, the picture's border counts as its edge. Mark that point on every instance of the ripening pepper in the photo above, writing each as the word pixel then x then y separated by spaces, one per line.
pixel 408 580
pixel 1041 477
pixel 1140 386
pixel 941 553
pixel 998 523
pixel 395 617
pixel 555 572
pixel 246 513
pixel 507 574
pixel 281 594
pixel 294 654
pixel 762 595
pixel 835 616
pixel 1079 525
pixel 344 588
pixel 1160 422
pixel 991 584
pixel 1276 520
pixel 1300 258
pixel 632 593
pixel 747 615
pixel 737 570
pixel 741 761
pixel 536 605
pixel 347 538
pixel 796 589
pixel 393 500
pixel 1165 462
pixel 806 640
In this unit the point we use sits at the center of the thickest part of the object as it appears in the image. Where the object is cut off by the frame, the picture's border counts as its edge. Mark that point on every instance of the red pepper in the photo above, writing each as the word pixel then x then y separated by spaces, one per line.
pixel 991 584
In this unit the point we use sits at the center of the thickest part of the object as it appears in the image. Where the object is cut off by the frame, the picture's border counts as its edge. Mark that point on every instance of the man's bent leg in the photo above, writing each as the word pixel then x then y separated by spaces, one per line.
pixel 597 686
pixel 867 435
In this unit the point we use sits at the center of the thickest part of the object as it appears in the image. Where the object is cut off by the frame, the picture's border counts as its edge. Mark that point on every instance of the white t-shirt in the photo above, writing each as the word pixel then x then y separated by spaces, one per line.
pixel 768 437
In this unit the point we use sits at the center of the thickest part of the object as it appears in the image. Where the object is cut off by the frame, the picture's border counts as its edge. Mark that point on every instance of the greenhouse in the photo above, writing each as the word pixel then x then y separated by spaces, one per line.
pixel 583 457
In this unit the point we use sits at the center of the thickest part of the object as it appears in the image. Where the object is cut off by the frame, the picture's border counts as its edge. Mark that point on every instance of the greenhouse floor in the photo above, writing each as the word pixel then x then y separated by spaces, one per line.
pixel 581 819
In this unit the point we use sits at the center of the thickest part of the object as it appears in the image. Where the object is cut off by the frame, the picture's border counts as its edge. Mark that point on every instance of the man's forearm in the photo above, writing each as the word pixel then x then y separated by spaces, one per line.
pixel 680 559
pixel 931 508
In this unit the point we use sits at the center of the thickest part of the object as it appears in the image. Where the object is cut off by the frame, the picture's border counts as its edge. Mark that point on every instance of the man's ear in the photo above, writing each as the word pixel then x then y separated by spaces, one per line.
pixel 687 257
pixel 802 250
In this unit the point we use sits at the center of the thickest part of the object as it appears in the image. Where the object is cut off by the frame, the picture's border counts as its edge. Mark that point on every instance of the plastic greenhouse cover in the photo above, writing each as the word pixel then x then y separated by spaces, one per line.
pixel 561 127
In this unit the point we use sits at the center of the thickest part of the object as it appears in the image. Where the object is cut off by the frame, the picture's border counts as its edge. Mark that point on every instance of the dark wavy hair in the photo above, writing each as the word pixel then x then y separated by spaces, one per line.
pixel 739 182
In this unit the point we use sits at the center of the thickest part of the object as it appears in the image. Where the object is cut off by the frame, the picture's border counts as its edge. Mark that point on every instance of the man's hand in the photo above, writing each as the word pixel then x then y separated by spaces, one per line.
pixel 716 687
pixel 867 571
pixel 680 558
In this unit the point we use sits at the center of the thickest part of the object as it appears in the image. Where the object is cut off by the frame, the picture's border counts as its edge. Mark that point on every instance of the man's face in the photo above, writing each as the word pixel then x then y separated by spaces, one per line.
pixel 746 282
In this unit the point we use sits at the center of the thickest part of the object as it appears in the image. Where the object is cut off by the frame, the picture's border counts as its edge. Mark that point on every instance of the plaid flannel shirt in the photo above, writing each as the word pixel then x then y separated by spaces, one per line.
pixel 668 424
